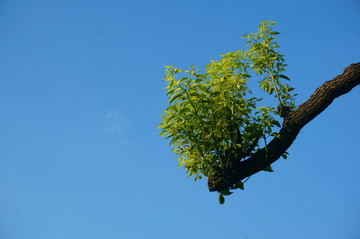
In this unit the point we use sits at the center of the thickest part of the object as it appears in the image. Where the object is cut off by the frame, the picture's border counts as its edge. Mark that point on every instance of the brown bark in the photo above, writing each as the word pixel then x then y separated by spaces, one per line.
pixel 293 123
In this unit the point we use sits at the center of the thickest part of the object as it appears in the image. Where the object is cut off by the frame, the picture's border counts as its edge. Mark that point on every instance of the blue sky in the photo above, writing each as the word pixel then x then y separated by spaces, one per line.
pixel 81 96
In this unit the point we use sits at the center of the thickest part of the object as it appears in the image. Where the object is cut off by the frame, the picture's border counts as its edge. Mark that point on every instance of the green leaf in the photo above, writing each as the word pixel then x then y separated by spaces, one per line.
pixel 183 111
pixel 277 135
pixel 284 77
pixel 175 139
pixel 175 96
pixel 170 91
pixel 285 155
pixel 239 185
pixel 268 169
pixel 221 199
pixel 290 89
pixel 275 122
pixel 171 134
pixel 226 192
pixel 274 33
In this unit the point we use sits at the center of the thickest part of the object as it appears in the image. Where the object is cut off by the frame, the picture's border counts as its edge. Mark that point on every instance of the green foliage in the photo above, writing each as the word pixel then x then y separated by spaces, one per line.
pixel 213 111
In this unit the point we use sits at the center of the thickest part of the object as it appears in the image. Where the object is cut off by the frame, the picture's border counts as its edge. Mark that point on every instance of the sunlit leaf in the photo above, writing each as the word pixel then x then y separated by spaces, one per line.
pixel 175 96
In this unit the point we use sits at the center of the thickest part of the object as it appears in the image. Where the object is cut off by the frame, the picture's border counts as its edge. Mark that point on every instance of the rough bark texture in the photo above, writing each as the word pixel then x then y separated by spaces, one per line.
pixel 293 123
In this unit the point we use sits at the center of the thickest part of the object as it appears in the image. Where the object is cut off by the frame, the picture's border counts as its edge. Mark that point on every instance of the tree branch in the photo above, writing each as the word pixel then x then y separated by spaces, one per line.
pixel 293 123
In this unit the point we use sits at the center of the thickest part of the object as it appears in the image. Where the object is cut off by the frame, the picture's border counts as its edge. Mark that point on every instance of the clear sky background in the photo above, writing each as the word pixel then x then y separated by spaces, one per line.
pixel 81 94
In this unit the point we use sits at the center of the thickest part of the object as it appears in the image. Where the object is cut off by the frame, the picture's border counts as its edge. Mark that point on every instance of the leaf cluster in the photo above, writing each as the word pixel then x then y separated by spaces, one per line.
pixel 213 112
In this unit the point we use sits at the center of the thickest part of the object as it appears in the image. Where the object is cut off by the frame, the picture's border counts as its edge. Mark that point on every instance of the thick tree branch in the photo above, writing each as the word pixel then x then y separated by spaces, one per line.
pixel 293 123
